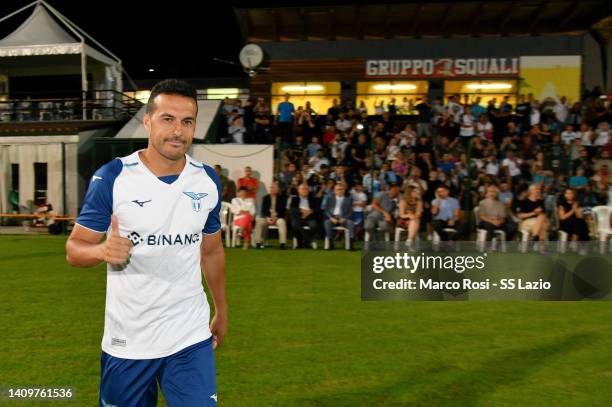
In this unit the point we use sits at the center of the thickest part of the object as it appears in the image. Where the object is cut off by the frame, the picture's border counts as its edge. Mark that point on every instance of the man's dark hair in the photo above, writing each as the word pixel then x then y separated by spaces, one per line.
pixel 171 87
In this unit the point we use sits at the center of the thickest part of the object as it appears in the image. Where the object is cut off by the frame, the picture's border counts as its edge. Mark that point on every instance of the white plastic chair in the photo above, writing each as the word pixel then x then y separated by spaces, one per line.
pixel 226 220
pixel 313 243
pixel 347 238
pixel 601 216
pixel 481 235
pixel 436 237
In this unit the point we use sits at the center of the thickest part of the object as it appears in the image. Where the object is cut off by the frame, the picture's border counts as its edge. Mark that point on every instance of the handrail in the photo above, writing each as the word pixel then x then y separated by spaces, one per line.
pixel 101 104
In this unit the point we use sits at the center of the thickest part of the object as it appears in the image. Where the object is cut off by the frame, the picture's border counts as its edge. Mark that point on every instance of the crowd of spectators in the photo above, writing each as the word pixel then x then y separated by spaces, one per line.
pixel 536 167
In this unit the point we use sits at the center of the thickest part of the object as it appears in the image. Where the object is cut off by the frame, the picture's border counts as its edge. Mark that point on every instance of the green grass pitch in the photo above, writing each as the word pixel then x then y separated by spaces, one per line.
pixel 300 336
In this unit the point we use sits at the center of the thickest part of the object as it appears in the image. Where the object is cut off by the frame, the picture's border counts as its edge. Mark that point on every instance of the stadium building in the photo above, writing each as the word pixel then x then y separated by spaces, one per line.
pixel 373 53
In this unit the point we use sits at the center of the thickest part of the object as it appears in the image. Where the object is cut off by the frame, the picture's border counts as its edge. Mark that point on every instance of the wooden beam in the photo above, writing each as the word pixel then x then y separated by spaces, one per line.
pixel 475 18
pixel 387 17
pixel 359 22
pixel 331 21
pixel 536 17
pixel 304 16
pixel 444 22
pixel 415 19
pixel 506 17
pixel 276 19
pixel 568 13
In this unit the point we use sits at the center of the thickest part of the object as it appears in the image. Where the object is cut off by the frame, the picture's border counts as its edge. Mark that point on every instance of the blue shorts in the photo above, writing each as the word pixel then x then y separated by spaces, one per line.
pixel 186 378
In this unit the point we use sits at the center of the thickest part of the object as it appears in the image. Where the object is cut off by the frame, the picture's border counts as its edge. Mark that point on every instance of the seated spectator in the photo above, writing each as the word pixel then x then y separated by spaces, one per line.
pixel 571 218
pixel 568 135
pixel 579 182
pixel 387 176
pixel 313 147
pixel 372 183
pixel 318 160
pixel 491 165
pixel 302 213
pixel 338 212
pixel 272 214
pixel 243 209
pixel 484 128
pixel 410 211
pixel 446 214
pixel 400 165
pixel 532 213
pixel 505 194
pixel 381 215
pixel 493 214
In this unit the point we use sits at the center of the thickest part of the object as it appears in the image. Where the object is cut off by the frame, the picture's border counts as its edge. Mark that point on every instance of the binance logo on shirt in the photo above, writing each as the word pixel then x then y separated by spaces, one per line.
pixel 135 238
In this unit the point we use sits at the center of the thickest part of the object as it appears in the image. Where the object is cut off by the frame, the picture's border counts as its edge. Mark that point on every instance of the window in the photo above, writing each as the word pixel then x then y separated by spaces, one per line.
pixel 320 94
pixel 222 93
pixel 40 183
pixel 403 94
pixel 486 90
pixel 15 177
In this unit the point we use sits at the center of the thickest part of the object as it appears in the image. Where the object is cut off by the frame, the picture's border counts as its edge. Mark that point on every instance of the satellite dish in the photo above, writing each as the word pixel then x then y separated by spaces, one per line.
pixel 251 56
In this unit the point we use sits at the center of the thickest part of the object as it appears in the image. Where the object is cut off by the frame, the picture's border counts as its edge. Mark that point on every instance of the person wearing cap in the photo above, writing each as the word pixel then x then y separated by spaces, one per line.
pixel 381 215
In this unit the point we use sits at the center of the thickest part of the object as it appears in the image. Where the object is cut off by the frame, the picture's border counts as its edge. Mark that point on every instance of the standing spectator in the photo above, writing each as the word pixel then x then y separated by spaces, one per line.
pixel 285 118
pixel 561 109
pixel 477 109
pixel 334 110
pixel 360 201
pixel 424 120
pixel 263 122
pixel 249 182
pixel 468 126
pixel 248 118
pixel 523 112
pixel 243 209
pixel 228 187
pixel 339 212
pixel 272 214
pixel 237 130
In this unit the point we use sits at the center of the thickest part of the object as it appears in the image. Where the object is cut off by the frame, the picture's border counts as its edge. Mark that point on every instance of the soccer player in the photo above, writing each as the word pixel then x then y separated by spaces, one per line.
pixel 159 209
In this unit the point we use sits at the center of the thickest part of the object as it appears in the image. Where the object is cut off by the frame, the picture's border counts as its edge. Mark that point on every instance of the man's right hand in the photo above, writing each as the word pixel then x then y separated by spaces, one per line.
pixel 116 249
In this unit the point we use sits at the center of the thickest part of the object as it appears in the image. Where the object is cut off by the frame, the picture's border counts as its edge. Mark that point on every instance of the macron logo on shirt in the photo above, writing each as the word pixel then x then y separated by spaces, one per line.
pixel 95 177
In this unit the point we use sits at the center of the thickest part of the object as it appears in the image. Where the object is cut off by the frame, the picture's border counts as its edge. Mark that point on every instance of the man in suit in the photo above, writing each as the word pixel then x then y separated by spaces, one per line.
pixel 302 213
pixel 272 214
pixel 338 212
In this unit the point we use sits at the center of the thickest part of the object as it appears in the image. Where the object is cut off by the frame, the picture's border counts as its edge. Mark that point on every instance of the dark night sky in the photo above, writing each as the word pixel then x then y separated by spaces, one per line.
pixel 175 39
pixel 178 38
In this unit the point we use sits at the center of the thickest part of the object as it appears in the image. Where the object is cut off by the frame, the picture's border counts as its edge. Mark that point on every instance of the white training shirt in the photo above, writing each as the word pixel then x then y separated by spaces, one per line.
pixel 156 305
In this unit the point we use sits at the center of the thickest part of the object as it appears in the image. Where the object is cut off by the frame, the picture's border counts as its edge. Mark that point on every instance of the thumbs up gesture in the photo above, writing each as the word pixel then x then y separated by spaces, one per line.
pixel 116 248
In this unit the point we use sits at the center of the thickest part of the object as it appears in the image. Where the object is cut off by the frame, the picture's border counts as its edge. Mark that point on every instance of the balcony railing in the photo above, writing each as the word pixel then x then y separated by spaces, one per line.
pixel 67 106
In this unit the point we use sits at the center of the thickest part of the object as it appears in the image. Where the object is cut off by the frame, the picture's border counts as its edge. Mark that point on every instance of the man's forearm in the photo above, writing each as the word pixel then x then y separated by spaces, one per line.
pixel 213 266
pixel 84 254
